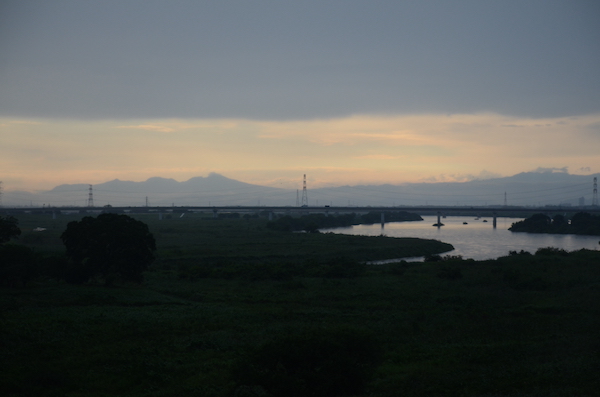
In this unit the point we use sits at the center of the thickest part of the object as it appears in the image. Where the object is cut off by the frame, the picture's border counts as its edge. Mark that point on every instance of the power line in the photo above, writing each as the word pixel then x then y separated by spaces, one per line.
pixel 243 194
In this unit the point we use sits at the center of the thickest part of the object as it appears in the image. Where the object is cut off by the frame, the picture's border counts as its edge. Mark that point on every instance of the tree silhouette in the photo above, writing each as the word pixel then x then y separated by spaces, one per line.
pixel 109 246
pixel 8 228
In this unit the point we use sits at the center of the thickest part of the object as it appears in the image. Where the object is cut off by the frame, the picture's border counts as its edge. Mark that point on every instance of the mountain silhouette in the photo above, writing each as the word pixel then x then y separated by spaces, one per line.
pixel 526 188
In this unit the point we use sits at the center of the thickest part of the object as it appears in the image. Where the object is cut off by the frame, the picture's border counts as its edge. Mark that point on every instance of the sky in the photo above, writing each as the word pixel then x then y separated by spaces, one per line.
pixel 347 92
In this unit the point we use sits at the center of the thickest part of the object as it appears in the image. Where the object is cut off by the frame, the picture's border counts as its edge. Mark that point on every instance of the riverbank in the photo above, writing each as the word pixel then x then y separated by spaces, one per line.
pixel 476 239
pixel 232 308
pixel 519 325
pixel 313 222
pixel 582 223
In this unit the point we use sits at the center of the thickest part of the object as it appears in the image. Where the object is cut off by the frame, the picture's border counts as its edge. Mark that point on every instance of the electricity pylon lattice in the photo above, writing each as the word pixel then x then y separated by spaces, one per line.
pixel 90 197
pixel 595 194
pixel 304 193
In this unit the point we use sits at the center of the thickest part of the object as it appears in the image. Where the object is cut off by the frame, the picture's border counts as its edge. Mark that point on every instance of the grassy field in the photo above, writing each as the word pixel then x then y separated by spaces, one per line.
pixel 201 325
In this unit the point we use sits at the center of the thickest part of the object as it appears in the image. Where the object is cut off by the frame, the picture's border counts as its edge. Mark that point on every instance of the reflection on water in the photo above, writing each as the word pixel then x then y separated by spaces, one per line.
pixel 477 239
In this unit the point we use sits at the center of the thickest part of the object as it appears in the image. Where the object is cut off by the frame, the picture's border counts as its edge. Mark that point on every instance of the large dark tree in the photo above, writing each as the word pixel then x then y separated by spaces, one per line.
pixel 17 262
pixel 109 246
pixel 8 228
pixel 18 265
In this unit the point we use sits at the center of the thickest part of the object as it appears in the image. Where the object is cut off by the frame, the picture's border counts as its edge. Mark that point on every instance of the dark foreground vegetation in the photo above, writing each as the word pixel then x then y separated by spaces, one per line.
pixel 232 308
pixel 580 223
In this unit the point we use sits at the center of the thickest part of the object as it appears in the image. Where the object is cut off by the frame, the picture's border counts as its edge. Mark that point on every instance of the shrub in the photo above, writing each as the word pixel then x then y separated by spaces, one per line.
pixel 18 265
pixel 450 273
pixel 318 362
pixel 433 258
pixel 54 266
pixel 522 252
pixel 453 258
pixel 398 268
pixel 337 267
pixel 552 251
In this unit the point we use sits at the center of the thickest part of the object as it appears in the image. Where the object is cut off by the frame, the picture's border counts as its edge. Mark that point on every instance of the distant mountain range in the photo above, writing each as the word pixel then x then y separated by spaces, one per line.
pixel 528 188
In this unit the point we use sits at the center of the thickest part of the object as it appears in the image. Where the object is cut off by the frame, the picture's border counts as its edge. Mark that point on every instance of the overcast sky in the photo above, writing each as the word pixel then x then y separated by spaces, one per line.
pixel 347 92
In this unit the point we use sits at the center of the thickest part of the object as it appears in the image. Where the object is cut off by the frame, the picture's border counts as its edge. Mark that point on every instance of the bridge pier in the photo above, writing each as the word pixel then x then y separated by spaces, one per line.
pixel 382 219
pixel 214 213
pixel 439 221
pixel 494 222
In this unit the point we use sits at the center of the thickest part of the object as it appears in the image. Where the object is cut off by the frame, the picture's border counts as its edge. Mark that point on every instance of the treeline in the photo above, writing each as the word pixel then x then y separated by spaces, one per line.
pixel 105 248
pixel 580 223
pixel 313 222
pixel 18 264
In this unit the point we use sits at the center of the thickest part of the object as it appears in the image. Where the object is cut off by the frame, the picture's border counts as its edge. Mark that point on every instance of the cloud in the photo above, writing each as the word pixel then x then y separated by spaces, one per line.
pixel 148 127
pixel 289 60
pixel 546 170
pixel 462 177
pixel 441 178
pixel 378 157
pixel 487 175
pixel 362 148
pixel 26 122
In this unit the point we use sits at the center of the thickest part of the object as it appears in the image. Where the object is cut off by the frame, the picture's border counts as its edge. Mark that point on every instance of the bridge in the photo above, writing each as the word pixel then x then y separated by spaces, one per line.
pixel 490 211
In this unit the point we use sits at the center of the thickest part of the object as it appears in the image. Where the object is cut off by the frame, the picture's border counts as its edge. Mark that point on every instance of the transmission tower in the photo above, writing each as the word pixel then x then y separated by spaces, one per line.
pixel 595 194
pixel 505 201
pixel 304 193
pixel 297 198
pixel 90 197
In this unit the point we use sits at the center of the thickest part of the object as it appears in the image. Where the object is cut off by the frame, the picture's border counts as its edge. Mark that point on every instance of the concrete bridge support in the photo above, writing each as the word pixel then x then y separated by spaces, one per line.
pixel 494 222
pixel 382 219
pixel 214 213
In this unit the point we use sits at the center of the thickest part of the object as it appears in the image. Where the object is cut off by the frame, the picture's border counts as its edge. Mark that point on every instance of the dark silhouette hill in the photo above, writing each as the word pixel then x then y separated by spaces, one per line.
pixel 215 189
pixel 527 188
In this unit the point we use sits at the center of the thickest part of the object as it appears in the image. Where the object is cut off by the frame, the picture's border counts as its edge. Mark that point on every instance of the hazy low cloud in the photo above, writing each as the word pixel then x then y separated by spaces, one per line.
pixel 544 170
pixel 462 177
pixel 487 175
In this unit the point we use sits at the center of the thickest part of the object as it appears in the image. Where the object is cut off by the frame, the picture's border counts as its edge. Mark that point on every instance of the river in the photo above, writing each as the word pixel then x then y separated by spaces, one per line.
pixel 477 239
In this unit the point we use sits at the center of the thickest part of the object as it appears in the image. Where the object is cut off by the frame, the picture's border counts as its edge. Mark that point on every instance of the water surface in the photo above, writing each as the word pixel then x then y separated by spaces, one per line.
pixel 477 239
